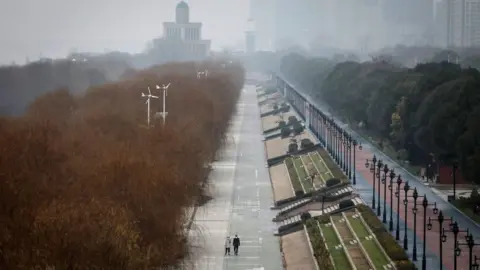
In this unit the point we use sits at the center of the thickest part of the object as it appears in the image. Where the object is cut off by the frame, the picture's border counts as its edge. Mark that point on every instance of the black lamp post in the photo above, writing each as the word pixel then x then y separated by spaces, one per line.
pixel 390 188
pixel 373 171
pixel 379 169
pixel 406 188
pixel 425 205
pixel 345 151
pixel 397 194
pixel 470 243
pixel 384 182
pixel 442 236
pixel 349 157
pixel 341 150
pixel 355 143
pixel 414 211
pixel 456 250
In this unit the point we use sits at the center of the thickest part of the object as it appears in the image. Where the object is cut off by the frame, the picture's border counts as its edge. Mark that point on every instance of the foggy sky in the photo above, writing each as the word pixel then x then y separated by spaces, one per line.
pixel 51 28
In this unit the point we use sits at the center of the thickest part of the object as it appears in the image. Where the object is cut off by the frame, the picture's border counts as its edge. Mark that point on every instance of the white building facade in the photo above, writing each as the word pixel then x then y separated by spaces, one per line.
pixel 182 39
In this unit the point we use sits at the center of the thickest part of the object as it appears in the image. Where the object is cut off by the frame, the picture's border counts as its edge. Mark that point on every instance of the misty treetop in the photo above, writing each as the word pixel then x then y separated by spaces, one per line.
pixel 432 108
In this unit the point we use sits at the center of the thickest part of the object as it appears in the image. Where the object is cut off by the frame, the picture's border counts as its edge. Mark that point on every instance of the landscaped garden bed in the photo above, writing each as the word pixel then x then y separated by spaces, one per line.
pixel 391 247
pixel 310 172
pixel 355 237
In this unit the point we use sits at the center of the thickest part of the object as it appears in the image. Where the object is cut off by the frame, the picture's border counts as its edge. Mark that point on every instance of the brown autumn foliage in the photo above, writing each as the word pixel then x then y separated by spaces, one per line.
pixel 85 185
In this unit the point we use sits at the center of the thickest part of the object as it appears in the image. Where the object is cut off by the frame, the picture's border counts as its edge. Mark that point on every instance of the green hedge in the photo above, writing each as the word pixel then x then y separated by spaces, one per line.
pixel 321 254
pixel 297 186
pixel 334 168
pixel 391 247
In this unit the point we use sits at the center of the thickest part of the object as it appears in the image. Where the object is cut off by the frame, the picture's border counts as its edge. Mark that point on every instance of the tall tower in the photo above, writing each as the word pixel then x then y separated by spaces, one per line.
pixel 182 13
pixel 250 37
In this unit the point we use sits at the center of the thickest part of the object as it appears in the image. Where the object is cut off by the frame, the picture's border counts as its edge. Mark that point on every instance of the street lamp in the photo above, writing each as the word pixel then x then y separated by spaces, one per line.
pixel 406 188
pixel 425 205
pixel 414 211
pixel 442 236
pixel 372 170
pixel 397 194
pixel 380 165
pixel 390 188
pixel 355 143
pixel 470 243
pixel 341 150
pixel 456 250
pixel 384 182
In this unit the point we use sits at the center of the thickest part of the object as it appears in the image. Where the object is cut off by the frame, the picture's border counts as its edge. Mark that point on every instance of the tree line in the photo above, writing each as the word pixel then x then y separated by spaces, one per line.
pixel 426 112
pixel 20 85
pixel 85 184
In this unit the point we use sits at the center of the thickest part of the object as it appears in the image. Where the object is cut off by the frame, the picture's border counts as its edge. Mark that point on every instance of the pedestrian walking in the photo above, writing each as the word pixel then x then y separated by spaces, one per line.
pixel 228 244
pixel 236 244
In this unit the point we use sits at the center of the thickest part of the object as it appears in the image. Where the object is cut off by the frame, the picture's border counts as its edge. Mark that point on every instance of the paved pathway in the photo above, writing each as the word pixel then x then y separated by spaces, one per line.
pixel 242 200
pixel 364 187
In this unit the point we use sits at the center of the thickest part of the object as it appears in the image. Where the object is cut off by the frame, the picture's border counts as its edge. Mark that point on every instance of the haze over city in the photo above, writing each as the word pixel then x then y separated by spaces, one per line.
pixel 53 28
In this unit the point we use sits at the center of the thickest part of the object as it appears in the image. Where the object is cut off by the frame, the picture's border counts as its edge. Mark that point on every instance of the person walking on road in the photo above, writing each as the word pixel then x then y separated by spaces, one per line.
pixel 228 244
pixel 236 244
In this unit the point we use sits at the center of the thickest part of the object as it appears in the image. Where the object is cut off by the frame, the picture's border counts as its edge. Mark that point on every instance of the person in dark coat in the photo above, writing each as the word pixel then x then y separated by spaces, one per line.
pixel 236 244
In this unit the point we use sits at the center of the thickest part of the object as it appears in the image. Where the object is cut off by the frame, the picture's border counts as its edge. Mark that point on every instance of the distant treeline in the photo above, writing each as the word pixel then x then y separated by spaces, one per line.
pixel 431 110
pixel 20 85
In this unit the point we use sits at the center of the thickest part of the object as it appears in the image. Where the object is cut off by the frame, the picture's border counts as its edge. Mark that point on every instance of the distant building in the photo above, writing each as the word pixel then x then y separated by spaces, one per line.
pixel 250 38
pixel 182 39
pixel 462 24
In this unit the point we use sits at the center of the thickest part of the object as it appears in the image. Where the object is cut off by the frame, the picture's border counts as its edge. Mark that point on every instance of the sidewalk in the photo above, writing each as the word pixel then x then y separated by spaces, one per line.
pixel 242 199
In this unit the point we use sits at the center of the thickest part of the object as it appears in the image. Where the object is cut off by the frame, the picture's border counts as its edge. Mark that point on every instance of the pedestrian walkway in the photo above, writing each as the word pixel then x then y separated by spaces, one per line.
pixel 364 188
pixel 242 196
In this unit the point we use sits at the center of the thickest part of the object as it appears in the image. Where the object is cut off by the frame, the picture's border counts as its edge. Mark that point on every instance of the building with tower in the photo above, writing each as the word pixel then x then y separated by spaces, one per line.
pixel 182 39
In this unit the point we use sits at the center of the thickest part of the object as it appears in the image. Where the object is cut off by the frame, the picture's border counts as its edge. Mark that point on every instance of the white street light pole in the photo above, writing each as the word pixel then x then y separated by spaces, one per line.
pixel 148 104
pixel 165 94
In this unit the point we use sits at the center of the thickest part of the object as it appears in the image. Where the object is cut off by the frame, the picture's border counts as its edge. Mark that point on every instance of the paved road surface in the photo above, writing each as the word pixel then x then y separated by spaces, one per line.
pixel 243 196
pixel 364 186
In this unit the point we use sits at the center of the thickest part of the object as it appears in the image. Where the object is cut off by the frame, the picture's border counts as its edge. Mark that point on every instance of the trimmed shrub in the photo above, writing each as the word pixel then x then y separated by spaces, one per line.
pixel 286 131
pixel 306 143
pixel 345 204
pixel 299 193
pixel 332 182
pixel 275 106
pixel 298 128
pixel 292 120
pixel 292 148
pixel 282 124
pixel 305 216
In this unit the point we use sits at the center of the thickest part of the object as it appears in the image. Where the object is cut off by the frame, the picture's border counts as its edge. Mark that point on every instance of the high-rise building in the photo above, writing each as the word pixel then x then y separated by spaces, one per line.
pixel 463 23
pixel 182 39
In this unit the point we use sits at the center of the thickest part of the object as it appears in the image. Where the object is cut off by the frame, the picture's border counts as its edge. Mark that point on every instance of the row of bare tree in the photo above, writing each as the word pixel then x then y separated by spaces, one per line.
pixel 85 185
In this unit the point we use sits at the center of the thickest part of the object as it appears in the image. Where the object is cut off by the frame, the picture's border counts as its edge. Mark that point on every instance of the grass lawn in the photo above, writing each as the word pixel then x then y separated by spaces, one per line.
pixel 358 227
pixel 339 256
pixel 302 174
pixel 318 180
pixel 334 169
pixel 324 172
pixel 296 184
pixel 374 251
